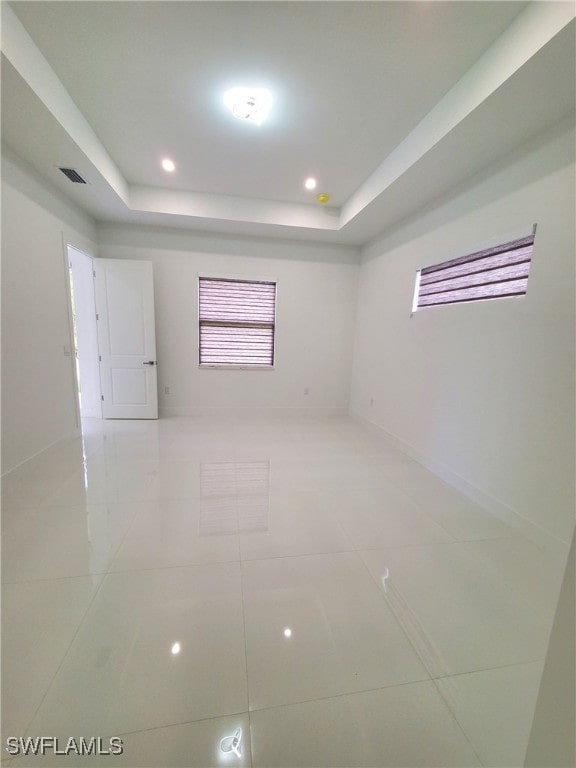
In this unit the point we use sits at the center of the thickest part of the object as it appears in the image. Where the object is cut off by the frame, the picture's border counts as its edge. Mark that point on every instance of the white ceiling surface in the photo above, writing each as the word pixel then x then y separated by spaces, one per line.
pixel 388 104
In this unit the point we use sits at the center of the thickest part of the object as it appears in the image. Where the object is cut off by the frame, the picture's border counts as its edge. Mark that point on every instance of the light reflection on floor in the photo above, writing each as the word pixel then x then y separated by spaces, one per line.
pixel 298 582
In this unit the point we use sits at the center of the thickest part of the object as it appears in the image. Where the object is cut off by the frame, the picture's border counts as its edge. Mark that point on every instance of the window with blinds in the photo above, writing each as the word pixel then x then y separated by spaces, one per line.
pixel 489 274
pixel 237 319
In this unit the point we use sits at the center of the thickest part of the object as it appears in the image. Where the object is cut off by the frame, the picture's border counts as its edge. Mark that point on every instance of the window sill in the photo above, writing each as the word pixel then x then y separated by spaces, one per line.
pixel 215 366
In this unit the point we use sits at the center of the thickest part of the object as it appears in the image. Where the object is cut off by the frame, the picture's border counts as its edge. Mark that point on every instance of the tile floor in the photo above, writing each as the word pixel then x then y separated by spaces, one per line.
pixel 173 582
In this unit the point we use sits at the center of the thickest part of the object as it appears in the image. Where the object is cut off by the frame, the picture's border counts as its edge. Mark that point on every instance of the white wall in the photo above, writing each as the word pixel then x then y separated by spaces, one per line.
pixel 38 400
pixel 316 294
pixel 482 393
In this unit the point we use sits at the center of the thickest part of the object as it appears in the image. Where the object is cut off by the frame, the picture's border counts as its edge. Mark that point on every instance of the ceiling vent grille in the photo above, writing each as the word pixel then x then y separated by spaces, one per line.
pixel 73 175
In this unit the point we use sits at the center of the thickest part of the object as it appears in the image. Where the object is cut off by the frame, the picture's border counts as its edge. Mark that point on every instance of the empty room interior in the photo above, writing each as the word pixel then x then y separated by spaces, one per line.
pixel 288 368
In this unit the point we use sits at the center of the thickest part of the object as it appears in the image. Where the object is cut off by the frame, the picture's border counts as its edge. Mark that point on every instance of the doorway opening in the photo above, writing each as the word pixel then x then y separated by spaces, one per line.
pixel 84 333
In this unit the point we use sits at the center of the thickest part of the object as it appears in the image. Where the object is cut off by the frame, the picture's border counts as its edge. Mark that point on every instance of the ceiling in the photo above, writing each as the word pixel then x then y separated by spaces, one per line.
pixel 387 104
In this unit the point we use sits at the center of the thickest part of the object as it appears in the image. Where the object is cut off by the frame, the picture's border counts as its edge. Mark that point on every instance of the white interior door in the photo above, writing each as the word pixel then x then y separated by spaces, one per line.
pixel 126 338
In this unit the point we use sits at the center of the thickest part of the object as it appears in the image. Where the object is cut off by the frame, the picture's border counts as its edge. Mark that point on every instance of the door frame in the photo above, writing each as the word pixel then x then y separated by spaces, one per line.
pixel 75 379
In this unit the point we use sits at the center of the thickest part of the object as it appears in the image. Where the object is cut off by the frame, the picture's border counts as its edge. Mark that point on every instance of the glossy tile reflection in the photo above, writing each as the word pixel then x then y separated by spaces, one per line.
pixel 124 653
pixel 342 637
pixel 470 606
pixel 234 496
pixel 39 621
pixel 224 591
pixel 406 725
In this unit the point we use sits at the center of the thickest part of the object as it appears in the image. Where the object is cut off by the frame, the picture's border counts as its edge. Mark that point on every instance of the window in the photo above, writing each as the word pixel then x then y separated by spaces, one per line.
pixel 237 319
pixel 489 274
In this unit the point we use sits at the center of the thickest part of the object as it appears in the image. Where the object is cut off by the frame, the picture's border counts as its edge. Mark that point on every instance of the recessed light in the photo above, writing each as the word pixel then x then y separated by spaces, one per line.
pixel 310 183
pixel 175 649
pixel 287 632
pixel 251 104
pixel 323 198
pixel 168 165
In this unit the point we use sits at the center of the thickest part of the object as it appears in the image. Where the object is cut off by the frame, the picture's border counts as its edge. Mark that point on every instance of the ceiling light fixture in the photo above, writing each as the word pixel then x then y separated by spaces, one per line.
pixel 168 165
pixel 310 183
pixel 252 104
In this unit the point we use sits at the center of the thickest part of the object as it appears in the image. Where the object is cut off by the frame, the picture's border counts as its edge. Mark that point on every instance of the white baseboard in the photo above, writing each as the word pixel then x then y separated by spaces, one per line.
pixel 176 410
pixel 487 501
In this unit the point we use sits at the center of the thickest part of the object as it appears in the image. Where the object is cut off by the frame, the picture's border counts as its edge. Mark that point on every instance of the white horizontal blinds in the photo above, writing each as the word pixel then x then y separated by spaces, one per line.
pixel 237 322
pixel 489 274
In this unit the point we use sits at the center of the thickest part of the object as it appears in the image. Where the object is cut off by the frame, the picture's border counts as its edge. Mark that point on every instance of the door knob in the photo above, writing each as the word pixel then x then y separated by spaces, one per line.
pixel 150 362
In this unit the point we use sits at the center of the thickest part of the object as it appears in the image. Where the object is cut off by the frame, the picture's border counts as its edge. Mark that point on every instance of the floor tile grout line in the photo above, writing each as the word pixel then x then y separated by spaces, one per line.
pixel 66 652
pixel 428 664
pixel 526 662
pixel 455 719
pixel 434 679
pixel 261 709
pixel 242 599
pixel 176 724
pixel 118 572
pixel 251 739
pixel 453 709
pixel 49 579
pixel 135 514
pixel 208 563
pixel 249 712
pixel 343 694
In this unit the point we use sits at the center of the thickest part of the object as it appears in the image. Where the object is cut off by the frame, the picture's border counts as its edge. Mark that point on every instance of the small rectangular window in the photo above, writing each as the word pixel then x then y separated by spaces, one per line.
pixel 489 274
pixel 237 322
